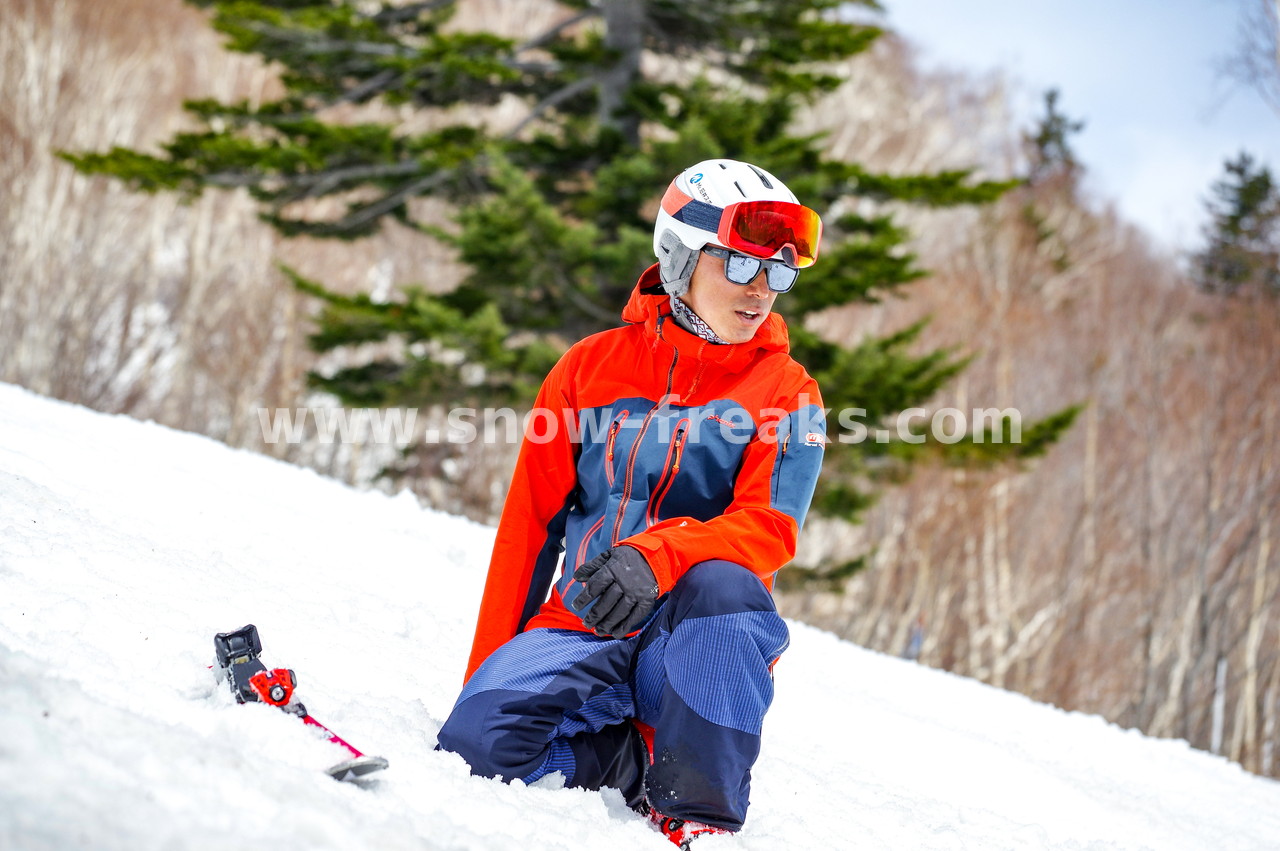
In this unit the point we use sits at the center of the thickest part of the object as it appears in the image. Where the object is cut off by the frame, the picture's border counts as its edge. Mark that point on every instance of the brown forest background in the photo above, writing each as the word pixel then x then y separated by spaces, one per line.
pixel 1131 573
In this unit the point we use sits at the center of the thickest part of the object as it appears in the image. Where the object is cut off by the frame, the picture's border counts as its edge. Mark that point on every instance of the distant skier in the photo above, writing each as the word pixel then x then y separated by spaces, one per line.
pixel 672 462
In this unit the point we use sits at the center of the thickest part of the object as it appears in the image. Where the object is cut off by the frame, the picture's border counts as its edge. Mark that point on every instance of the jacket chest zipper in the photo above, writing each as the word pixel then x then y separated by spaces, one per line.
pixel 635 451
pixel 782 455
pixel 609 444
pixel 668 477
pixel 586 539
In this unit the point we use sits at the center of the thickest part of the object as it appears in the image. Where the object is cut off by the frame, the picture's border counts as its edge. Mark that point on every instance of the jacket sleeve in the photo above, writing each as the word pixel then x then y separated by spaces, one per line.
pixel 772 493
pixel 530 533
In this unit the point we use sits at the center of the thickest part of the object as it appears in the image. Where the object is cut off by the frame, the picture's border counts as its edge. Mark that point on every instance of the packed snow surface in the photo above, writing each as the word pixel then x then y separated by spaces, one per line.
pixel 125 546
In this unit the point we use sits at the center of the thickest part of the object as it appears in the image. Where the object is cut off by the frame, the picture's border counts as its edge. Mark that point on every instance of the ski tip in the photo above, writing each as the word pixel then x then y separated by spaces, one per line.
pixel 358 767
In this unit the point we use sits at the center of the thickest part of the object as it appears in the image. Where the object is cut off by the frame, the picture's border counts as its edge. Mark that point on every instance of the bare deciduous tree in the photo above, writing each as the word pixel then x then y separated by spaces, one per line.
pixel 1256 60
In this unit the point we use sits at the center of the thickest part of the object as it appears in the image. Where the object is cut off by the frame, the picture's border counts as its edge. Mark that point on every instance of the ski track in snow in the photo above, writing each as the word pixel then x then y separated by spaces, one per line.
pixel 125 546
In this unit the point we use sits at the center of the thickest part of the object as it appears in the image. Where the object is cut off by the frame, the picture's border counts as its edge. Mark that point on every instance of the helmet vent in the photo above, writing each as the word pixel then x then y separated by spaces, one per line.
pixel 739 186
pixel 760 174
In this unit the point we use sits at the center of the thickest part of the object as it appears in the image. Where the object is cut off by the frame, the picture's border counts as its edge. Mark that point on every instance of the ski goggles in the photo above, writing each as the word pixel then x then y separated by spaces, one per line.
pixel 742 269
pixel 758 228
pixel 764 228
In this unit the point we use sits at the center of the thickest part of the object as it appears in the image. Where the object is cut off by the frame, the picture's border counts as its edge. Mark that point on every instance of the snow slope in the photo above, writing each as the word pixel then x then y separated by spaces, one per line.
pixel 125 546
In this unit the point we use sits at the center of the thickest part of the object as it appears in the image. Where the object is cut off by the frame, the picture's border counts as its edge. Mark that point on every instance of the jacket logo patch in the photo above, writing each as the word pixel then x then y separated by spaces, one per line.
pixel 813 438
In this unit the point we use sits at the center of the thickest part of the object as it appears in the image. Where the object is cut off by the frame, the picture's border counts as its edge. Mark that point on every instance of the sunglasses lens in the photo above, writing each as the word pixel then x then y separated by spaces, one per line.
pixel 741 269
pixel 781 277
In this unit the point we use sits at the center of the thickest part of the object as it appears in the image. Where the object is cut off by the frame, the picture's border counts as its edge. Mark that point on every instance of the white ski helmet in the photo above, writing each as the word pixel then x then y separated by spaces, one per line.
pixel 732 205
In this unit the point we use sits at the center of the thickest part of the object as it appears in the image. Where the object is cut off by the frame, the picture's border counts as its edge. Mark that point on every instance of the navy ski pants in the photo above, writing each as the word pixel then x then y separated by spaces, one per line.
pixel 698 674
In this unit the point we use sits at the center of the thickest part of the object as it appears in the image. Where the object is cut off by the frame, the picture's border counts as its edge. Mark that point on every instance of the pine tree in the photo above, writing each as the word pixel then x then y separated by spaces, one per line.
pixel 1049 147
pixel 1053 176
pixel 553 216
pixel 1242 254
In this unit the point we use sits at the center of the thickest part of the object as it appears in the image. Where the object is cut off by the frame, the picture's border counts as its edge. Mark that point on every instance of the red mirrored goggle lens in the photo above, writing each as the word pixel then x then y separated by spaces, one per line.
pixel 763 228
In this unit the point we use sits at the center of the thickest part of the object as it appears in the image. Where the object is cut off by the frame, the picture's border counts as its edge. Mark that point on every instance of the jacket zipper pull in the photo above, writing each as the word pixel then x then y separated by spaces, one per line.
pixel 675 467
pixel 613 433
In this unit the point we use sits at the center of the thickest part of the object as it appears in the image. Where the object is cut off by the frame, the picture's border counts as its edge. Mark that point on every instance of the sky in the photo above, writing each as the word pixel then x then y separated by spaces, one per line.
pixel 1144 75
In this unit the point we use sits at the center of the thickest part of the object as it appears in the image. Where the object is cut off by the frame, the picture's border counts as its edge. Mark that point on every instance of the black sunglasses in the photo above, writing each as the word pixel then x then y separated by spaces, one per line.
pixel 742 269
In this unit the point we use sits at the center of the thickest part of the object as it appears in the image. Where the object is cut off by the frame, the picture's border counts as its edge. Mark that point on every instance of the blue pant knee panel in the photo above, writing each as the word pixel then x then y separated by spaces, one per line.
pixel 559 700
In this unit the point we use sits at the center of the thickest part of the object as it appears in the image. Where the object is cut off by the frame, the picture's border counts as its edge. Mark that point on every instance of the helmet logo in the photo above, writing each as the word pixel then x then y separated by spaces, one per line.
pixel 696 181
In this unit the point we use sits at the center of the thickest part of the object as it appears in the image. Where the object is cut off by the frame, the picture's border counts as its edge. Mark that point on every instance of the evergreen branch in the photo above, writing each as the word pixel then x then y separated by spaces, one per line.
pixel 365 215
pixel 575 88
pixel 551 34
pixel 409 12
pixel 533 67
pixel 312 45
pixel 315 186
pixel 378 82
pixel 230 180
pixel 940 189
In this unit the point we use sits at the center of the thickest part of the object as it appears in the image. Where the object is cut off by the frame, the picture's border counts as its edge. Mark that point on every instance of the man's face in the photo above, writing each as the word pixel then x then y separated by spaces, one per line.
pixel 734 311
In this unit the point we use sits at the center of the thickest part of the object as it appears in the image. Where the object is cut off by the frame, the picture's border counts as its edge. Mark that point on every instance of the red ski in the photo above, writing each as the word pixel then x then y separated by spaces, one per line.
pixel 251 682
pixel 358 766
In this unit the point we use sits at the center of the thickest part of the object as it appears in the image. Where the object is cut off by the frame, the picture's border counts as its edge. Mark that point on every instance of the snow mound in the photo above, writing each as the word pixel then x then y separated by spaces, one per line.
pixel 125 546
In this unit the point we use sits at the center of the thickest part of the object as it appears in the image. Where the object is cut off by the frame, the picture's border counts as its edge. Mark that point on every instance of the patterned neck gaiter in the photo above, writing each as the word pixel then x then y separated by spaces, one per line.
pixel 693 323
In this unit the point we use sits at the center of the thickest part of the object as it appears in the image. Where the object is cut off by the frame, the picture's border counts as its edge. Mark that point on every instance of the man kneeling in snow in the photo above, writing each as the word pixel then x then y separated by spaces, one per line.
pixel 672 462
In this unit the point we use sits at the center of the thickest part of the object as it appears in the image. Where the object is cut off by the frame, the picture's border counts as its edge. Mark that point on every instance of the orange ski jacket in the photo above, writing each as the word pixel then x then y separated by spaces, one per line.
pixel 648 435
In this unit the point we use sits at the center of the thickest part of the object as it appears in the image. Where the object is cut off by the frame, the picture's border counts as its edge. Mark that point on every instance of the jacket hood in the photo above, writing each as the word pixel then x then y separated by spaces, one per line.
pixel 650 303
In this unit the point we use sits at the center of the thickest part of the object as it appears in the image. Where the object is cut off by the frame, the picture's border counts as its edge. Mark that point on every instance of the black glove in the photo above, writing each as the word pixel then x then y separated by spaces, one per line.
pixel 623 587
